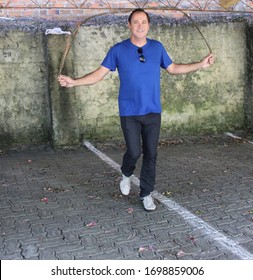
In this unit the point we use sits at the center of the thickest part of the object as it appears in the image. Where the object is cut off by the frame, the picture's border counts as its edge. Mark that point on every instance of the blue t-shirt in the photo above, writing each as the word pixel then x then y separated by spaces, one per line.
pixel 139 92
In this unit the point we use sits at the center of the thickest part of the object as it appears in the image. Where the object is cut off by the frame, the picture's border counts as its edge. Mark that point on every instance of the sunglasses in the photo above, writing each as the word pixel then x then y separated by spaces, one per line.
pixel 141 57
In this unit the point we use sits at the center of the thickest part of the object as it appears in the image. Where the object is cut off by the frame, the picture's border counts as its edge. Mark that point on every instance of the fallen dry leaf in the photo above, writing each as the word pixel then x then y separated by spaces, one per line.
pixel 94 197
pixel 130 210
pixel 143 248
pixel 45 199
pixel 48 189
pixel 167 193
pixel 180 253
pixel 146 248
pixel 91 224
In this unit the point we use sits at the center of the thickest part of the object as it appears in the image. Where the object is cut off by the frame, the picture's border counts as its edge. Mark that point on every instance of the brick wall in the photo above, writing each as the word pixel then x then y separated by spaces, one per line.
pixel 78 9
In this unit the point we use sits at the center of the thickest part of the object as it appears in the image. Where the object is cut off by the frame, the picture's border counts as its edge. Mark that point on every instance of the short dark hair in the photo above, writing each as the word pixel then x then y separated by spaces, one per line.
pixel 137 11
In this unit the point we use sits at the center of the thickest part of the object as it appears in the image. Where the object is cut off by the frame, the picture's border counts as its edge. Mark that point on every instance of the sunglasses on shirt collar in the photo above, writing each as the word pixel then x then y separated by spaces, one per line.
pixel 141 57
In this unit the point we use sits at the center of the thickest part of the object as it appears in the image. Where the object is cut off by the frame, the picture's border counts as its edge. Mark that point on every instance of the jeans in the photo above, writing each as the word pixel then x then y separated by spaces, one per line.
pixel 141 135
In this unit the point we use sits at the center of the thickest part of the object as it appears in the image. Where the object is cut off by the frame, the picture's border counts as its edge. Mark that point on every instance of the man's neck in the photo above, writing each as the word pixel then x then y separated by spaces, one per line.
pixel 139 42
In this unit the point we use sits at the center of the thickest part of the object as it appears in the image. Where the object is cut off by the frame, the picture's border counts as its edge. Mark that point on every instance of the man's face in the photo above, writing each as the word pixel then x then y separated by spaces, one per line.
pixel 139 25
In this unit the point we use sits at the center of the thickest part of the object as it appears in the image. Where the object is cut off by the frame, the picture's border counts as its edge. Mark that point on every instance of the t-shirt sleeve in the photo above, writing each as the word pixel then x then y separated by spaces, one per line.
pixel 110 61
pixel 166 60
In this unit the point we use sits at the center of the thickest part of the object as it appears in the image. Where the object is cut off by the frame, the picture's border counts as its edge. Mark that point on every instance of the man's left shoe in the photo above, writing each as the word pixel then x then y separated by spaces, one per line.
pixel 148 203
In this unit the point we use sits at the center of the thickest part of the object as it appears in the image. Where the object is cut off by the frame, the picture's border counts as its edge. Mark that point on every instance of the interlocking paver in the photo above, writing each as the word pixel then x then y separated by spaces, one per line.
pixel 65 204
pixel 30 251
pixel 47 254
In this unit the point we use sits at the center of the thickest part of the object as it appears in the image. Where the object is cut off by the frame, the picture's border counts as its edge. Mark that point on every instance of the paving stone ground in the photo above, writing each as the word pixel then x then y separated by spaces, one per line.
pixel 65 204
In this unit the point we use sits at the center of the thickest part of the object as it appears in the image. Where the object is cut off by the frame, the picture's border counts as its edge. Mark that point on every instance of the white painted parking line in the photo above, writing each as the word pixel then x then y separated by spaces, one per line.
pixel 190 218
pixel 204 227
pixel 237 137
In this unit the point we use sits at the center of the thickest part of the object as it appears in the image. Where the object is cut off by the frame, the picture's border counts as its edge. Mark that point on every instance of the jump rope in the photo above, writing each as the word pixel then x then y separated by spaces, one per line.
pixel 70 38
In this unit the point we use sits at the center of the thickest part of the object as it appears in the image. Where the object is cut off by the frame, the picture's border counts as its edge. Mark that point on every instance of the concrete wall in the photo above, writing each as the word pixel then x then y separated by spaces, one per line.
pixel 24 103
pixel 34 109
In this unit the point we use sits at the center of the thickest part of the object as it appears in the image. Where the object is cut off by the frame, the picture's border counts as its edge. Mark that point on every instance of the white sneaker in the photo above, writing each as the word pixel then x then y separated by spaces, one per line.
pixel 125 185
pixel 148 203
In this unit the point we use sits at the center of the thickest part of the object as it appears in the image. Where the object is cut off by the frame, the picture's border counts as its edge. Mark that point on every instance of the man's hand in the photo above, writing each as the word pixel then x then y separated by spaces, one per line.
pixel 207 60
pixel 66 81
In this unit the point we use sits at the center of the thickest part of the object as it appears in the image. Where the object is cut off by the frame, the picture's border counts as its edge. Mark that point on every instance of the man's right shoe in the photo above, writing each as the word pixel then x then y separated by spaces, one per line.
pixel 125 185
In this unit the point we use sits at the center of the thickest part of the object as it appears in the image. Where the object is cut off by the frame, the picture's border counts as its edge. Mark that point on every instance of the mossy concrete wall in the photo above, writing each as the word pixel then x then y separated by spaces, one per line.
pixel 35 109
pixel 24 103
pixel 210 100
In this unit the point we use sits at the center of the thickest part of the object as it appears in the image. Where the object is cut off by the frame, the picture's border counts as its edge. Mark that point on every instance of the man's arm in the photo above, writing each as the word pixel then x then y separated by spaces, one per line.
pixel 89 79
pixel 175 69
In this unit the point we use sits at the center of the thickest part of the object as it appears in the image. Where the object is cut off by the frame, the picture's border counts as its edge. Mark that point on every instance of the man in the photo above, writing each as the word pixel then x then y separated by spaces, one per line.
pixel 138 61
